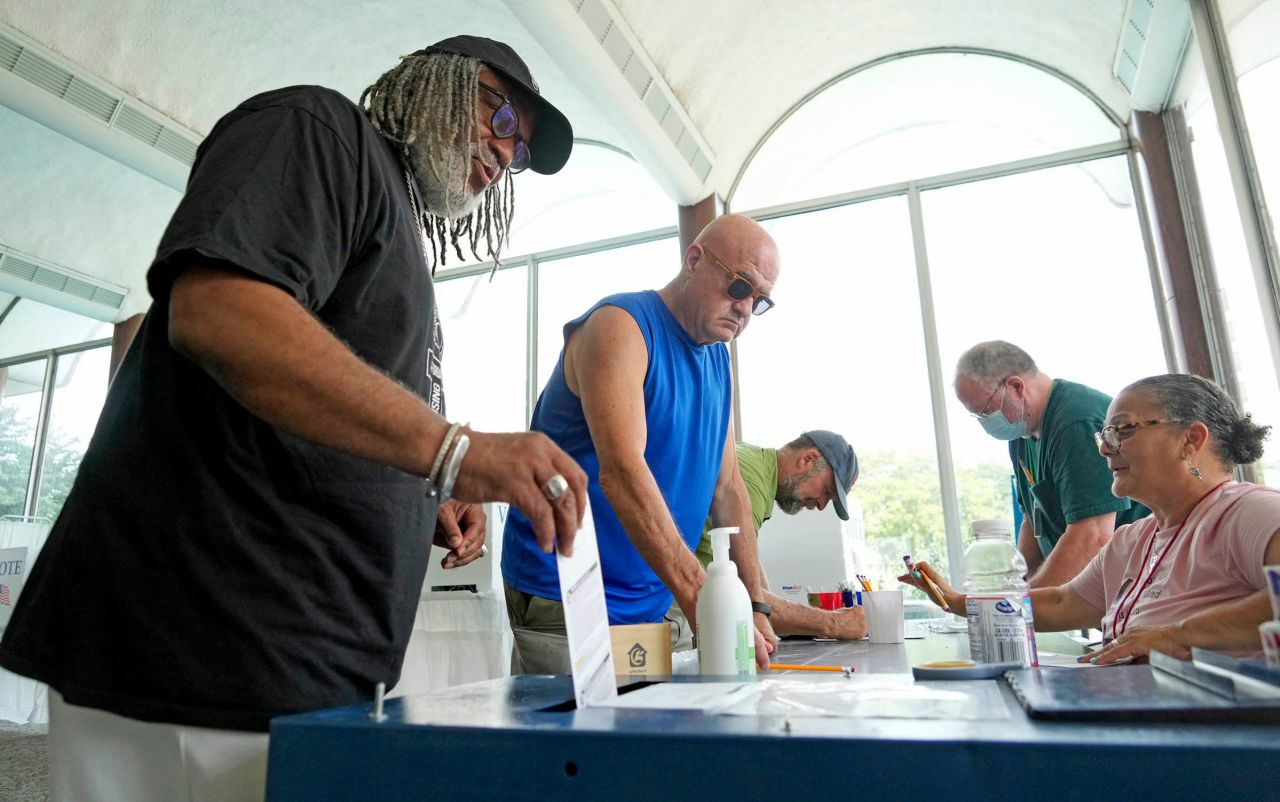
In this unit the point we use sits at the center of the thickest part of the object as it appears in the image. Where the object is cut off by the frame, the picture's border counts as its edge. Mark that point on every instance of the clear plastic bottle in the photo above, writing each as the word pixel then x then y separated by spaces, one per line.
pixel 1001 628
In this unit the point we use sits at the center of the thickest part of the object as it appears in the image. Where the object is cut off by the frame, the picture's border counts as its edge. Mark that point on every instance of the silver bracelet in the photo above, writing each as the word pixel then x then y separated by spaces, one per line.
pixel 449 474
pixel 444 450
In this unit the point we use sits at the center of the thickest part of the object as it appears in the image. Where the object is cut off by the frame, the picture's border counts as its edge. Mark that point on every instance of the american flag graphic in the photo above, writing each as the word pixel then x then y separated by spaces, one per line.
pixel 4 595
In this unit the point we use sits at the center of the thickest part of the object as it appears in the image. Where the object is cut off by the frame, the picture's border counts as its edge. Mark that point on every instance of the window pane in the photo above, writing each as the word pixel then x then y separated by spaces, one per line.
pixel 78 394
pixel 568 287
pixel 1255 51
pixel 1046 261
pixel 484 348
pixel 916 117
pixel 1254 356
pixel 20 398
pixel 32 326
pixel 599 194
pixel 844 350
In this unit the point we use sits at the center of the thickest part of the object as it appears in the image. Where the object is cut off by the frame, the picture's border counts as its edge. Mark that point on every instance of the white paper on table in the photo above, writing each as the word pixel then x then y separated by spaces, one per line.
pixel 708 697
pixel 872 696
pixel 586 619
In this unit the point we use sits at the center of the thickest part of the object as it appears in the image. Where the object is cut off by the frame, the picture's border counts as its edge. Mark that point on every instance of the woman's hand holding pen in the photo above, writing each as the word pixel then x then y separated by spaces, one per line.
pixel 954 600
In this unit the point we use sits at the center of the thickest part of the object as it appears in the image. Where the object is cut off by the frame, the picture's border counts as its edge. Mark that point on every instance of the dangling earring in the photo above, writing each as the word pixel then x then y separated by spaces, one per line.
pixel 1195 471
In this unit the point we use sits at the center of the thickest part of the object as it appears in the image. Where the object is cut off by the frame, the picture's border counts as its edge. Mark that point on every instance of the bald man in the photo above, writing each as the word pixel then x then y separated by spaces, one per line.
pixel 641 397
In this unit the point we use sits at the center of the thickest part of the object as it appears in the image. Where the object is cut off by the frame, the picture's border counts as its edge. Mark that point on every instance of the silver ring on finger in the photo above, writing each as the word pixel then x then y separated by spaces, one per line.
pixel 555 487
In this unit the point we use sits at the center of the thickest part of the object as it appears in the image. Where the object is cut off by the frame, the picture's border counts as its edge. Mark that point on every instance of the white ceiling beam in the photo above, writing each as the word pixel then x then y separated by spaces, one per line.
pixel 1153 37
pixel 592 44
pixel 39 84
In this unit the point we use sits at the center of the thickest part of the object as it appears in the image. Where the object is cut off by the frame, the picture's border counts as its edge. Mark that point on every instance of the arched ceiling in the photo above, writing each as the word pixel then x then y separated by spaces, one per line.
pixel 739 65
pixel 736 66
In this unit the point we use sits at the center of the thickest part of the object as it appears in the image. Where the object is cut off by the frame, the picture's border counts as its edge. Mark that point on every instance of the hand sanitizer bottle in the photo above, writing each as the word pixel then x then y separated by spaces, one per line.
pixel 726 633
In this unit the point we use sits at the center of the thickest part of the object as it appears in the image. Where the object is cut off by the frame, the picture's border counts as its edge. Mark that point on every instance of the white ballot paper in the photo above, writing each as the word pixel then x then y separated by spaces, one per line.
pixel 586 619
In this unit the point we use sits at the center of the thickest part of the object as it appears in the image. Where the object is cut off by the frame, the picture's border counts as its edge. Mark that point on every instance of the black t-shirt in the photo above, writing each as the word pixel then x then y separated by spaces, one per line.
pixel 210 569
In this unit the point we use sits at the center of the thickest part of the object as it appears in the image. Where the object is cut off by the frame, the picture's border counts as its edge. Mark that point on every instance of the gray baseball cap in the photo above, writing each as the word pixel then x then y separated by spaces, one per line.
pixel 844 464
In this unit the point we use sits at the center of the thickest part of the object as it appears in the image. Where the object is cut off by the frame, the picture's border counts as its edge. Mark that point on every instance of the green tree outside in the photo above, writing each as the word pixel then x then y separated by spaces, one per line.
pixel 902 507
pixel 61 461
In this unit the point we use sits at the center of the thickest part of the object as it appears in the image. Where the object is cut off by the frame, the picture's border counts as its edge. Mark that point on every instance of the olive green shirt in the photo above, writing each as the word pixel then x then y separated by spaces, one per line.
pixel 759 469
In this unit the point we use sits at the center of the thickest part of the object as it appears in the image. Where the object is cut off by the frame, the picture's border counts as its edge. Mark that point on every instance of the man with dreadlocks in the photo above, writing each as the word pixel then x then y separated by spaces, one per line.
pixel 249 530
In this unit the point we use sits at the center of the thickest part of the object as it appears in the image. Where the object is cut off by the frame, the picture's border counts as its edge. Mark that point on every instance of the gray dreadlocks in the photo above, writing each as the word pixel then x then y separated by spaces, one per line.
pixel 427 105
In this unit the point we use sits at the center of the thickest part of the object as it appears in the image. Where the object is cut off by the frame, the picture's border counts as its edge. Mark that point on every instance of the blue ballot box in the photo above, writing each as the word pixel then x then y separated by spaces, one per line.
pixel 520 738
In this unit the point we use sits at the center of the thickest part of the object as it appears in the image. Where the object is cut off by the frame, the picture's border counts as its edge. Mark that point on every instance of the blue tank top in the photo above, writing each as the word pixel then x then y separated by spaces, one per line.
pixel 687 405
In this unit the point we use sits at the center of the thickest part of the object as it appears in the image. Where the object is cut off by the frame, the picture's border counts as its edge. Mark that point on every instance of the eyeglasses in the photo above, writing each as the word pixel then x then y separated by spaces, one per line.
pixel 740 288
pixel 984 414
pixel 1114 435
pixel 506 125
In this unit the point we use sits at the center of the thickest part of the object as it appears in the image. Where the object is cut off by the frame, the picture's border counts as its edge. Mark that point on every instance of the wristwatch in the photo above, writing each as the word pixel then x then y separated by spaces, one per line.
pixel 763 608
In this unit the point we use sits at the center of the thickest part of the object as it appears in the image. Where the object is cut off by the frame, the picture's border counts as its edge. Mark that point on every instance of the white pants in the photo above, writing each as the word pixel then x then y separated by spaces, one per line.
pixel 97 756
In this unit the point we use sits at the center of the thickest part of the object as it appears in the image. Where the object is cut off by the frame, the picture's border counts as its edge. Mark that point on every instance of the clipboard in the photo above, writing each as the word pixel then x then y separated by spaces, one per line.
pixel 1130 693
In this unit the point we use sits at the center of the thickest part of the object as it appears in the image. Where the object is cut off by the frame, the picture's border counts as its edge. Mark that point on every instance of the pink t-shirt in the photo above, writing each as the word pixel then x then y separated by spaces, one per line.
pixel 1217 557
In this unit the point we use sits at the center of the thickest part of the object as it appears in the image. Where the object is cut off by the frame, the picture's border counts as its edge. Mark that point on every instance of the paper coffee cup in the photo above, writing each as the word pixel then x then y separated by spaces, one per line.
pixel 1272 573
pixel 1270 632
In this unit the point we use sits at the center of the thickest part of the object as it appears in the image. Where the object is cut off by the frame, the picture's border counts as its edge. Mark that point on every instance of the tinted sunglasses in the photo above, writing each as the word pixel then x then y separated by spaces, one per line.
pixel 740 287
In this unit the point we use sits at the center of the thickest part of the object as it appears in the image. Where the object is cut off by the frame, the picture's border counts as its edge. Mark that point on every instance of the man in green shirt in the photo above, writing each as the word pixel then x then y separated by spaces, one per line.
pixel 1064 484
pixel 802 475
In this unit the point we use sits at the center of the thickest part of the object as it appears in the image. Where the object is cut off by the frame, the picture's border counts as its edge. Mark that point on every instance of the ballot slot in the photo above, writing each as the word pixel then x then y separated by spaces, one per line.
pixel 571 704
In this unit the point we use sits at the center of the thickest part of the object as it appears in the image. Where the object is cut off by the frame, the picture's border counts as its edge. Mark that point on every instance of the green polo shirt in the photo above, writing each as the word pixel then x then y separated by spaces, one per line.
pixel 759 469
pixel 1061 477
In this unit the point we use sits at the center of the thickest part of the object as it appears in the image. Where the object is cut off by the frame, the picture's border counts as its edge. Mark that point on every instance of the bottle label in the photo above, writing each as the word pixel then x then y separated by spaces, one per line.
pixel 745 653
pixel 1001 629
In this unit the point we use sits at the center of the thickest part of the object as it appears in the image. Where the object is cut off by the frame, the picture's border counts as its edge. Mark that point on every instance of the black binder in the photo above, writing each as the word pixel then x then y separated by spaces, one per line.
pixel 1129 693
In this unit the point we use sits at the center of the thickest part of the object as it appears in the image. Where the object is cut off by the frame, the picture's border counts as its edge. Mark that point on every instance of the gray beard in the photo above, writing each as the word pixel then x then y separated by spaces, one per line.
pixel 452 198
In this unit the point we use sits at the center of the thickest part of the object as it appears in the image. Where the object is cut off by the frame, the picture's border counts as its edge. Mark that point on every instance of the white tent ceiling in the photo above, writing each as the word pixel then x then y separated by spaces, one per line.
pixel 736 66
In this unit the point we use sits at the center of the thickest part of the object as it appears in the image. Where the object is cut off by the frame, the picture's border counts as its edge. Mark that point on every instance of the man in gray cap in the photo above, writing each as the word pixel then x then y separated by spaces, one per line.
pixel 249 530
pixel 817 468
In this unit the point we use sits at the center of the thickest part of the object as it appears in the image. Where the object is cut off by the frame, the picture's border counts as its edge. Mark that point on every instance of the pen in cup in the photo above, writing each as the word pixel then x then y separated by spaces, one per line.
pixel 931 589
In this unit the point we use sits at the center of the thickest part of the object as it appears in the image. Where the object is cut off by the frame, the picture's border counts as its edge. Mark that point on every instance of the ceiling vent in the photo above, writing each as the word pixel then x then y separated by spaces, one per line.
pixel 31 277
pixel 621 49
pixel 103 104
pixel 1152 41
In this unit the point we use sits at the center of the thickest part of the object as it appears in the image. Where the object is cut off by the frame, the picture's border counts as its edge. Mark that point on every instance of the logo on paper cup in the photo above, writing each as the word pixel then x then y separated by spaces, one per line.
pixel 1003 606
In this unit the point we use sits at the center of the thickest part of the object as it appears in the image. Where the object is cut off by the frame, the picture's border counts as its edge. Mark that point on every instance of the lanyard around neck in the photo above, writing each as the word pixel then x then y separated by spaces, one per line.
pixel 1121 621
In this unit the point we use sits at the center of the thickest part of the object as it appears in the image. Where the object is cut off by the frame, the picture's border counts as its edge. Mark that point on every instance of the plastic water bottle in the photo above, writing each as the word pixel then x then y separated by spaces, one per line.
pixel 726 633
pixel 1001 628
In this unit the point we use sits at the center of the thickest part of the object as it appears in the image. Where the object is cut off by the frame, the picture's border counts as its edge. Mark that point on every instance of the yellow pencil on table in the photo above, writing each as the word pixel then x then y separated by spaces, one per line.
pixel 790 667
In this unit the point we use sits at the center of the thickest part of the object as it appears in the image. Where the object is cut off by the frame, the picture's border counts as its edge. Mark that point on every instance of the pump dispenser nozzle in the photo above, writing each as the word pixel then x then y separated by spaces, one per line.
pixel 720 544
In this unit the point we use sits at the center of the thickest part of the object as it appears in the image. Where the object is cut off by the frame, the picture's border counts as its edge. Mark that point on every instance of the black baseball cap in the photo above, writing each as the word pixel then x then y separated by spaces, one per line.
pixel 553 136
